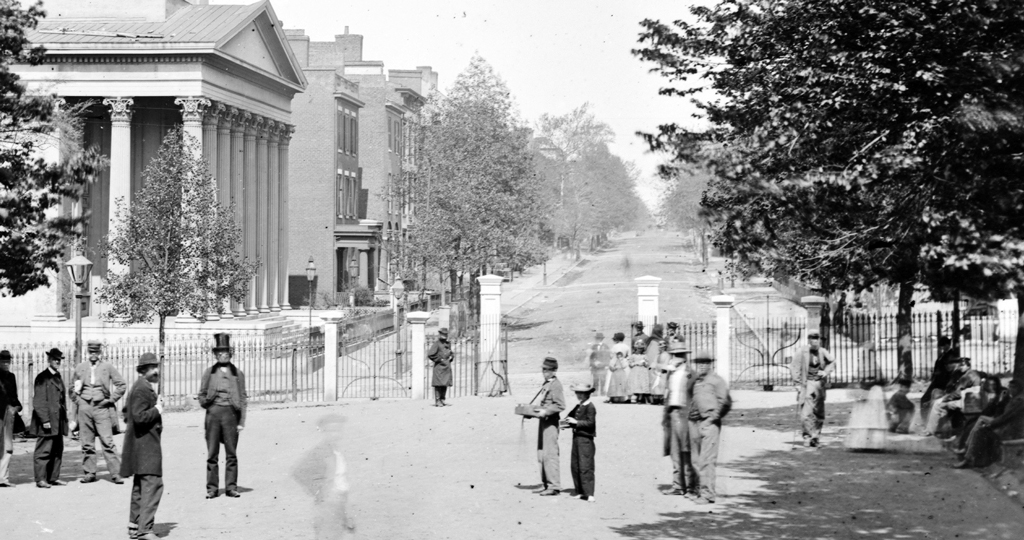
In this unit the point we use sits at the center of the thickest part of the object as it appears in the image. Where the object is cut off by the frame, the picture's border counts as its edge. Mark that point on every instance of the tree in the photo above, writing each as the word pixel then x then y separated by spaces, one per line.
pixel 181 244
pixel 856 142
pixel 681 207
pixel 478 199
pixel 33 233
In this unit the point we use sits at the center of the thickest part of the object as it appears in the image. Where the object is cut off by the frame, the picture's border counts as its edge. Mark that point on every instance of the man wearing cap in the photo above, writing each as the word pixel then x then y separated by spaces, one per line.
pixel 676 423
pixel 709 403
pixel 551 405
pixel 10 407
pixel 143 457
pixel 599 357
pixel 583 421
pixel 222 394
pixel 440 353
pixel 962 379
pixel 96 387
pixel 49 421
pixel 810 368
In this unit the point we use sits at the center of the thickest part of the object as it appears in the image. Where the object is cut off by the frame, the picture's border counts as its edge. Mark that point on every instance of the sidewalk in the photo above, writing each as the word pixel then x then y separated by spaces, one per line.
pixel 516 293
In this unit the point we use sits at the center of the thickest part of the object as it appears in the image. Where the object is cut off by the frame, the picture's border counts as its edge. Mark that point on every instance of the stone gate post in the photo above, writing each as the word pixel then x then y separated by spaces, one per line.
pixel 332 333
pixel 418 350
pixel 490 333
pixel 813 305
pixel 647 300
pixel 723 335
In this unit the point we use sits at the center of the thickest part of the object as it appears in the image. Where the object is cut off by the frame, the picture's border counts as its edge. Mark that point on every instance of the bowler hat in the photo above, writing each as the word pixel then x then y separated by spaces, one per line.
pixel 5 356
pixel 599 335
pixel 550 364
pixel 619 336
pixel 703 355
pixel 55 354
pixel 585 387
pixel 673 325
pixel 677 347
pixel 443 331
pixel 814 335
pixel 147 359
pixel 222 343
pixel 639 324
pixel 94 346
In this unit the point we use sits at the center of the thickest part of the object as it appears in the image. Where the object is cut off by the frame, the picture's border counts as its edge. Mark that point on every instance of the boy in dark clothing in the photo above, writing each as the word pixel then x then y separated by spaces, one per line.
pixel 583 421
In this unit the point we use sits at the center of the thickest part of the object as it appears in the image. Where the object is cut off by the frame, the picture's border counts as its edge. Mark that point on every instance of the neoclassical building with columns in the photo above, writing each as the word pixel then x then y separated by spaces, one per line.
pixel 224 72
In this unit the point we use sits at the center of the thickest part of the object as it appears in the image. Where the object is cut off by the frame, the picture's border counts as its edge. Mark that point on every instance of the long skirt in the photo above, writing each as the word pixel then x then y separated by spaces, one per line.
pixel 619 386
pixel 639 382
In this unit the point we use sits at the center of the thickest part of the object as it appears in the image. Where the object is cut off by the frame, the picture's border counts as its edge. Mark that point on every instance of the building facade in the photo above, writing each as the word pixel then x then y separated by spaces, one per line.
pixel 225 72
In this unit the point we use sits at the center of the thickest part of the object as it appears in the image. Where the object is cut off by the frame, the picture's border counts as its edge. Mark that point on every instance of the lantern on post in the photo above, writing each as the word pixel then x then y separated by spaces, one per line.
pixel 79 268
pixel 310 276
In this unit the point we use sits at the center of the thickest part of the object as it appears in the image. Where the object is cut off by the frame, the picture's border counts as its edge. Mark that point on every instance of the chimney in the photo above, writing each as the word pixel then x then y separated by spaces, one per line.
pixel 349 46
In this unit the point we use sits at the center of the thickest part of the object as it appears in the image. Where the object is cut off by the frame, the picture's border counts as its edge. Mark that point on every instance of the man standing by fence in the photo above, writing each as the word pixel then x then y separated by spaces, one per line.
pixel 440 354
pixel 810 368
pixel 222 394
pixel 96 387
pixel 49 421
pixel 10 407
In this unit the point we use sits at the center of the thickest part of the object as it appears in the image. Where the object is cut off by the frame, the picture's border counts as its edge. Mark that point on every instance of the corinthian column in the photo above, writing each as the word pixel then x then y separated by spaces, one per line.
pixel 252 122
pixel 282 231
pixel 120 165
pixel 274 223
pixel 222 170
pixel 236 126
pixel 192 111
pixel 263 179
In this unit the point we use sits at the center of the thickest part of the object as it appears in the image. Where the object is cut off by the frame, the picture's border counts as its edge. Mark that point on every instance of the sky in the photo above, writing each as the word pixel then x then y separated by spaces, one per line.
pixel 554 55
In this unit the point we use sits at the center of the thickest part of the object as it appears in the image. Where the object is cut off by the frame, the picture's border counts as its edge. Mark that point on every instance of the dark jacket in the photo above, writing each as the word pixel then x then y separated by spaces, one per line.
pixel 8 392
pixel 709 397
pixel 141 453
pixel 440 353
pixel 1010 424
pixel 239 399
pixel 586 421
pixel 49 405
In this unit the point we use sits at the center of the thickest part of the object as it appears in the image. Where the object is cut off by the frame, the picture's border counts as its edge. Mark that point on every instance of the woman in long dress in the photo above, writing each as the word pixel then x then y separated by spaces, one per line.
pixel 618 370
pixel 638 383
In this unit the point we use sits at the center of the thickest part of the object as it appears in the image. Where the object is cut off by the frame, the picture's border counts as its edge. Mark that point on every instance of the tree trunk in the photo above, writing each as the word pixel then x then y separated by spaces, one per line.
pixel 904 332
pixel 474 295
pixel 440 279
pixel 956 320
pixel 160 387
pixel 453 276
pixel 1018 356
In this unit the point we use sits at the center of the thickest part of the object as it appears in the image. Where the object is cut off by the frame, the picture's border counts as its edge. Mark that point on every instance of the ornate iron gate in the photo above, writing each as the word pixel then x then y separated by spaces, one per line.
pixel 373 359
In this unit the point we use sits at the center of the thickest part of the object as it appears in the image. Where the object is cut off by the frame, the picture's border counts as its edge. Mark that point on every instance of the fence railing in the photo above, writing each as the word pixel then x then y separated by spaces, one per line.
pixel 471 372
pixel 760 350
pixel 276 369
pixel 373 358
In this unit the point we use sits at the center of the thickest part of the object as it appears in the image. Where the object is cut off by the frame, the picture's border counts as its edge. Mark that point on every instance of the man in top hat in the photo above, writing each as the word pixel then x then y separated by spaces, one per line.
pixel 49 421
pixel 709 403
pixel 583 421
pixel 600 357
pixel 222 394
pixel 551 405
pixel 676 423
pixel 96 387
pixel 143 457
pixel 810 368
pixel 10 407
pixel 440 353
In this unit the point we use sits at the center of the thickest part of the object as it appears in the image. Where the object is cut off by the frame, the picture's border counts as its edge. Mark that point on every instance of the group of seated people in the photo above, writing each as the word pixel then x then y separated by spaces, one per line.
pixel 969 409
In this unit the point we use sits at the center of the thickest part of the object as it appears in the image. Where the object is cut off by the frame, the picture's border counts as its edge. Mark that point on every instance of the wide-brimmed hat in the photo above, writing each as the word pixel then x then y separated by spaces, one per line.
pixel 5 356
pixel 673 325
pixel 677 347
pixel 639 324
pixel 814 335
pixel 55 354
pixel 94 346
pixel 443 332
pixel 222 343
pixel 599 335
pixel 585 387
pixel 147 359
pixel 550 364
pixel 703 355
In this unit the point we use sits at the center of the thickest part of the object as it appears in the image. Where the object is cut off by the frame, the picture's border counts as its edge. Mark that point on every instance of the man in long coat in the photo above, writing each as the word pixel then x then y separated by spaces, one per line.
pixel 142 456
pixel 676 425
pixel 440 353
pixel 222 394
pixel 810 368
pixel 49 421
pixel 10 407
pixel 552 404
pixel 96 387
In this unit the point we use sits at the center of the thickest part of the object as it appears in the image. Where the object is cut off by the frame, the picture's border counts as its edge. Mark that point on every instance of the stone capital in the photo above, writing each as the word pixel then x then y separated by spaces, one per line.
pixel 285 133
pixel 192 108
pixel 246 119
pixel 214 114
pixel 120 108
pixel 226 119
pixel 270 128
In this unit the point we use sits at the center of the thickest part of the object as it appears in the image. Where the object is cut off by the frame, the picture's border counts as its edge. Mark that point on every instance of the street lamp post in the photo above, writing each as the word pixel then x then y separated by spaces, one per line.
pixel 353 272
pixel 397 292
pixel 310 276
pixel 79 267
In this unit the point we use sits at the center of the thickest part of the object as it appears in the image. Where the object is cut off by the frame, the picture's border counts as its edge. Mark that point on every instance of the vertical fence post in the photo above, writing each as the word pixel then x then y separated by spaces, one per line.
pixel 723 307
pixel 418 351
pixel 332 330
pixel 490 332
pixel 647 300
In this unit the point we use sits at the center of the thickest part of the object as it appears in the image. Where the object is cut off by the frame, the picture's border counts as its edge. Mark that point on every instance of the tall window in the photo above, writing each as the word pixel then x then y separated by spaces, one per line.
pixel 391 137
pixel 341 203
pixel 391 195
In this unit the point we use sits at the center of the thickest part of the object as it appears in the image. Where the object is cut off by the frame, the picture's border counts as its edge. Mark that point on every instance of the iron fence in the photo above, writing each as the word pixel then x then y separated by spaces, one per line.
pixel 472 372
pixel 761 349
pixel 373 360
pixel 276 368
